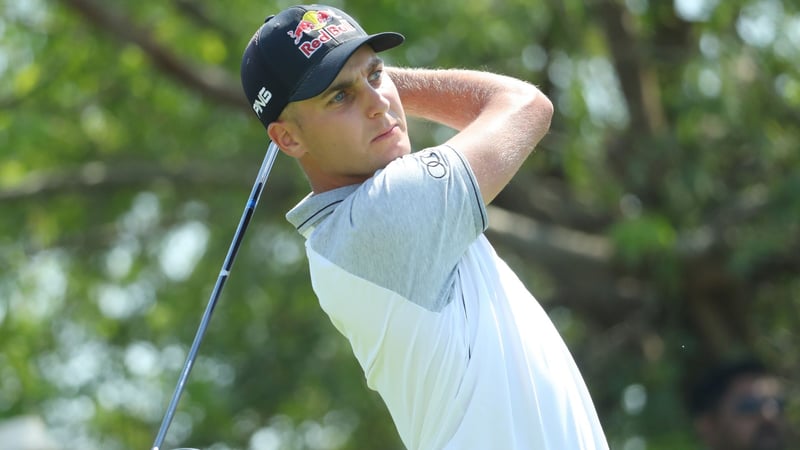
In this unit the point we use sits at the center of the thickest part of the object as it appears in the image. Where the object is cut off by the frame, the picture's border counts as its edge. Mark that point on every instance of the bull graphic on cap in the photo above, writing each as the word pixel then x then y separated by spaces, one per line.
pixel 311 21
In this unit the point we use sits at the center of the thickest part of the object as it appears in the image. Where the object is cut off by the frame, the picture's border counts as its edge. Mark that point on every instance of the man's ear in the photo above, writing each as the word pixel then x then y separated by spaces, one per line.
pixel 282 134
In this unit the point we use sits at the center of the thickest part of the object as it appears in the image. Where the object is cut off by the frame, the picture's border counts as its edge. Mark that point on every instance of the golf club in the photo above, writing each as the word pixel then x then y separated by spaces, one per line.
pixel 263 173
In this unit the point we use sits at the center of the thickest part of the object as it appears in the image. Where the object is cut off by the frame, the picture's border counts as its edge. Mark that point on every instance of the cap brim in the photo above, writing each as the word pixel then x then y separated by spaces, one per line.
pixel 322 75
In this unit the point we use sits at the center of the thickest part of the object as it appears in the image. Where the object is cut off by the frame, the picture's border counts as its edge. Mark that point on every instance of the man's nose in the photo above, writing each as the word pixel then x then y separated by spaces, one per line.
pixel 378 104
pixel 771 408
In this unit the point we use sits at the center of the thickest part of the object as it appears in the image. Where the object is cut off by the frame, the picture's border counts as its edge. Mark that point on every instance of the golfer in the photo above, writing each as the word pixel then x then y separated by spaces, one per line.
pixel 459 350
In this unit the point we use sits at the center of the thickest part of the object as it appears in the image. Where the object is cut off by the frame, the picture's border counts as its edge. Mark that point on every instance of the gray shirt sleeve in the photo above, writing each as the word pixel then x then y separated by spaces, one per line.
pixel 406 228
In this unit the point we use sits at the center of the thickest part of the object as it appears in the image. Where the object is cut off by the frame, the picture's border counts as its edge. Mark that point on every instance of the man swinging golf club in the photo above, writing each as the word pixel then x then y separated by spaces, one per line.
pixel 459 350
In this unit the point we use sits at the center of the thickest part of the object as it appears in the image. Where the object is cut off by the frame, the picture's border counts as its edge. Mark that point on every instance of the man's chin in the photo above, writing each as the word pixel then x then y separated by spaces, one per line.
pixel 769 440
pixel 398 150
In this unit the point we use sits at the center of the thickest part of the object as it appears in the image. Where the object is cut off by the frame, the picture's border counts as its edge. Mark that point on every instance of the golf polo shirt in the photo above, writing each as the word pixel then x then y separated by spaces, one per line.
pixel 459 350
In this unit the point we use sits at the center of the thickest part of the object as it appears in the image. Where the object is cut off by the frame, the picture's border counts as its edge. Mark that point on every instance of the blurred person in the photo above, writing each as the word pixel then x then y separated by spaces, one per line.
pixel 740 405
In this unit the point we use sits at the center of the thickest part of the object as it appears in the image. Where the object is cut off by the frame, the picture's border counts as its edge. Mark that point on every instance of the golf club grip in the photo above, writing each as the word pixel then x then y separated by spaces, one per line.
pixel 252 202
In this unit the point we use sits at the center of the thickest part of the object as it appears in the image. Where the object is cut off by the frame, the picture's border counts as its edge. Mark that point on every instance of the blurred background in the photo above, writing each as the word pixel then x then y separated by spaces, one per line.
pixel 658 223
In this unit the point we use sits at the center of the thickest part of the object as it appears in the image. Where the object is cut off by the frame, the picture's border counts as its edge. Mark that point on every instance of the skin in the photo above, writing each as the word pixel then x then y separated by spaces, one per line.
pixel 500 119
pixel 728 429
pixel 362 100
pixel 358 125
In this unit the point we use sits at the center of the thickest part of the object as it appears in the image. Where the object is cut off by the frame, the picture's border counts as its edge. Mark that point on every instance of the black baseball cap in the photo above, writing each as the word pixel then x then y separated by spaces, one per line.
pixel 297 53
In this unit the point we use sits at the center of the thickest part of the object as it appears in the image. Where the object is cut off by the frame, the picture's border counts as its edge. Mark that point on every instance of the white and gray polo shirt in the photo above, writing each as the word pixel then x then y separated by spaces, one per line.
pixel 459 350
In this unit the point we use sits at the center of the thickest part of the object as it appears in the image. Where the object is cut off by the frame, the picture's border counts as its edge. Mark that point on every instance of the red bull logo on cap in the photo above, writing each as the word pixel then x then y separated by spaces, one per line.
pixel 311 21
pixel 325 24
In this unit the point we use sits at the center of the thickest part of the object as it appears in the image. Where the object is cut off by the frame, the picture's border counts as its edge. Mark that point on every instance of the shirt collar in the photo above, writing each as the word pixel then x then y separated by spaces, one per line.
pixel 315 207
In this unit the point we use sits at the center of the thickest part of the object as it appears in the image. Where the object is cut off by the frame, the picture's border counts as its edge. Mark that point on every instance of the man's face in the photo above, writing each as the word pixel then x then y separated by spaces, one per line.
pixel 353 128
pixel 749 417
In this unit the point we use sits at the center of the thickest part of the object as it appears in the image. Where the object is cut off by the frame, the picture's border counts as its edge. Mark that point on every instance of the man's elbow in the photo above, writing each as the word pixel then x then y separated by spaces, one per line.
pixel 545 106
pixel 539 111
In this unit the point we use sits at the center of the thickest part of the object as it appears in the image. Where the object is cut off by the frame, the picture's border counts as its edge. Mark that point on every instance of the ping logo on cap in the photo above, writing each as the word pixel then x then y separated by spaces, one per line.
pixel 263 97
pixel 325 24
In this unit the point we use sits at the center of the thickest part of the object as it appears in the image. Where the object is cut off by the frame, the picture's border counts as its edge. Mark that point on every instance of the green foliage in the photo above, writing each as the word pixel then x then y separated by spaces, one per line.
pixel 122 180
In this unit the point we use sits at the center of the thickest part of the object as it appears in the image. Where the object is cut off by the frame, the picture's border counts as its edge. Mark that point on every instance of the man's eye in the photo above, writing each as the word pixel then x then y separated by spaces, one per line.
pixel 375 76
pixel 339 97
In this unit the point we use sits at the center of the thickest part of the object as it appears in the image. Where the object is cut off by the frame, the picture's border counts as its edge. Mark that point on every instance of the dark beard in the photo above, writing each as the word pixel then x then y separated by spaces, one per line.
pixel 768 437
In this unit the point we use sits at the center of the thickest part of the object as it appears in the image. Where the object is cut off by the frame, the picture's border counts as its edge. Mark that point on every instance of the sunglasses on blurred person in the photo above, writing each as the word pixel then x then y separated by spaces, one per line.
pixel 752 405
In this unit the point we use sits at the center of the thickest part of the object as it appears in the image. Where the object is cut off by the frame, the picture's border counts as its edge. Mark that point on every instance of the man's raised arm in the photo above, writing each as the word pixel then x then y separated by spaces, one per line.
pixel 500 119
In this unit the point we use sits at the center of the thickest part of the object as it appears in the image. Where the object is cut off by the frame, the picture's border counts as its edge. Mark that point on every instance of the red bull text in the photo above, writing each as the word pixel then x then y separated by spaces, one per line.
pixel 319 22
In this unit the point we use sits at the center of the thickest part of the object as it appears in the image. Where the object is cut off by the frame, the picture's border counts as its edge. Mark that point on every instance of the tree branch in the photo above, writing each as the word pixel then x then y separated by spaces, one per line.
pixel 585 277
pixel 102 177
pixel 212 82
pixel 639 85
pixel 550 199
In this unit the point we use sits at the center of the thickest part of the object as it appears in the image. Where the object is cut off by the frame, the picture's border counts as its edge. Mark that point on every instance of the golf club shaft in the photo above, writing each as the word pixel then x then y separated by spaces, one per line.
pixel 263 173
